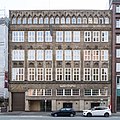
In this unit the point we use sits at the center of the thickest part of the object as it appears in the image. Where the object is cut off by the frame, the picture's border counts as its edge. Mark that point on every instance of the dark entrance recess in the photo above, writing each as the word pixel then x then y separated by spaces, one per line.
pixel 67 105
pixel 18 101
pixel 94 104
pixel 118 103
pixel 45 105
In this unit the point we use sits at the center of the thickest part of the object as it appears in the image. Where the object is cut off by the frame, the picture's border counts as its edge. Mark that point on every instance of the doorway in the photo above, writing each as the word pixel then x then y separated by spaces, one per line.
pixel 45 106
pixel 94 104
pixel 67 105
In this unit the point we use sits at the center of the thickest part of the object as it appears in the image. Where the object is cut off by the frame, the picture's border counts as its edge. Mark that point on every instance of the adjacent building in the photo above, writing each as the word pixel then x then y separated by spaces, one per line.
pixel 59 58
pixel 3 55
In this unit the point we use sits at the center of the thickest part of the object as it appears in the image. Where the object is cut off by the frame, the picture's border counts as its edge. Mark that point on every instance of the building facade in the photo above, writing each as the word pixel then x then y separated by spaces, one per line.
pixel 3 54
pixel 115 5
pixel 59 58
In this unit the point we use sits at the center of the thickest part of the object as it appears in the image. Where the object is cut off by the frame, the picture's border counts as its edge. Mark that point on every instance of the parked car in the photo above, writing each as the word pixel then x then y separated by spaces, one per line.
pixel 97 111
pixel 64 112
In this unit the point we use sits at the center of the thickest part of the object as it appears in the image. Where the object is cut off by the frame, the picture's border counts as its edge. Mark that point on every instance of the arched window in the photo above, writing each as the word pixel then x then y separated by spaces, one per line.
pixel 73 20
pixel 35 20
pixel 46 20
pixel 41 20
pixel 107 20
pixel 63 20
pixel 14 20
pixel 51 20
pixel 19 20
pixel 90 20
pixel 101 20
pixel 24 21
pixel 68 20
pixel 79 20
pixel 84 20
pixel 95 20
pixel 30 20
pixel 57 20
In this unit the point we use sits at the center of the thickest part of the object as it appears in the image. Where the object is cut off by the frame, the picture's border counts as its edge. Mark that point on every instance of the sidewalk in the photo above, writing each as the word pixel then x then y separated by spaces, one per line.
pixel 42 113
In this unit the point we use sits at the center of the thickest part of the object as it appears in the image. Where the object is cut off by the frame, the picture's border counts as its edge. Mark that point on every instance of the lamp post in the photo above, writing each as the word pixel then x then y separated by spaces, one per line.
pixel 45 104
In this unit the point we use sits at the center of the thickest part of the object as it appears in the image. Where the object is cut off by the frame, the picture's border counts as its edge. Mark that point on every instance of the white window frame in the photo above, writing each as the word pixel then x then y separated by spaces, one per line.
pixel 48 74
pixel 96 36
pixel 40 55
pixel 84 20
pixel 24 20
pixel 31 36
pixel 117 23
pixel 74 20
pixel 95 74
pixel 76 74
pixel 87 36
pixel 46 20
pixel 87 74
pixel 31 55
pixel 117 67
pixel 95 20
pixel 35 20
pixel 104 55
pixel 59 55
pixel 30 20
pixel 104 74
pixel 13 20
pixel 104 36
pixel 96 55
pixel 17 36
pixel 57 21
pixel 48 37
pixel 117 8
pixel 59 36
pixel 31 74
pixel 68 55
pixel 90 20
pixel 63 20
pixel 117 53
pixel 18 55
pixel 67 74
pixel 59 74
pixel 107 20
pixel 19 20
pixel 79 20
pixel 41 20
pixel 76 55
pixel 87 55
pixel 40 36
pixel 40 74
pixel 48 55
pixel 51 20
pixel 17 74
pixel 68 36
pixel 118 38
pixel 67 20
pixel 76 36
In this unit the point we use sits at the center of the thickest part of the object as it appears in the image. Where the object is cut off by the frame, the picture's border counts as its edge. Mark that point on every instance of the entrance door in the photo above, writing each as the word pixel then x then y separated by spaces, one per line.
pixel 67 105
pixel 45 106
pixel 94 104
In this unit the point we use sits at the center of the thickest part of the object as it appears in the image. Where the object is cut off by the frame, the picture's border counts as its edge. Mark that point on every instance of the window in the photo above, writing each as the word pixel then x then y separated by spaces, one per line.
pixel 107 20
pixel 104 36
pixel 76 55
pixel 76 74
pixel 48 74
pixel 117 53
pixel 101 20
pixel 68 55
pixel 90 21
pixel 95 20
pixel 48 37
pixel 17 55
pixel 87 36
pixel 31 54
pixel 40 74
pixel 103 92
pixel 104 55
pixel 40 36
pixel 117 38
pixel 31 36
pixel 57 20
pixel 67 74
pixel 60 92
pixel 13 20
pixel 19 20
pixel 59 74
pixel 79 20
pixel 62 20
pixel 59 55
pixel 87 55
pixel 88 92
pixel 17 74
pixel 51 20
pixel 84 20
pixel 73 20
pixel 68 20
pixel 117 8
pixel 35 20
pixel 76 36
pixel 95 92
pixel 40 92
pixel 68 92
pixel 40 55
pixel 48 92
pixel 118 80
pixel 96 36
pixel 31 74
pixel 95 55
pixel 24 20
pixel 118 23
pixel 59 36
pixel 46 20
pixel 18 36
pixel 30 20
pixel 95 74
pixel 104 74
pixel 41 20
pixel 68 36
pixel 117 67
pixel 48 55
pixel 76 92
pixel 87 74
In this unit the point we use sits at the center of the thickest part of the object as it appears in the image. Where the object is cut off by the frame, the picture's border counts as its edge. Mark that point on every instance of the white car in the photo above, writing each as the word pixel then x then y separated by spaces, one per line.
pixel 97 111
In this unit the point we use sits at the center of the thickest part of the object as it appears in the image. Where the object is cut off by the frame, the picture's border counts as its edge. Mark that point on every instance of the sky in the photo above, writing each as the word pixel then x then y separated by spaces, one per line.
pixel 53 4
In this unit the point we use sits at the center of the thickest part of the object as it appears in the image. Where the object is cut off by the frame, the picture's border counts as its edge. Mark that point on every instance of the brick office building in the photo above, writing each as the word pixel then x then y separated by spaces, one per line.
pixel 59 59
